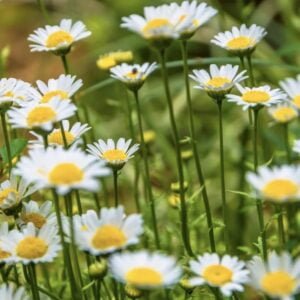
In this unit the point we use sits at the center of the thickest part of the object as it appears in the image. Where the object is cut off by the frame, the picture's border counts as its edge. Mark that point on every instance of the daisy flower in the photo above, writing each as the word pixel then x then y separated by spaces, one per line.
pixel 218 81
pixel 199 14
pixel 31 245
pixel 292 87
pixel 113 154
pixel 61 169
pixel 73 135
pixel 37 215
pixel 107 61
pixel 257 96
pixel 110 231
pixel 41 115
pixel 145 270
pixel 226 273
pixel 13 191
pixel 277 184
pixel 283 112
pixel 278 277
pixel 58 38
pixel 133 75
pixel 8 292
pixel 3 254
pixel 62 88
pixel 241 40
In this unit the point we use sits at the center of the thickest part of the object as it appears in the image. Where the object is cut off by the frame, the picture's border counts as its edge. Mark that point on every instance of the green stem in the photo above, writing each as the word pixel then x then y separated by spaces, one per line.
pixel 65 64
pixel 281 232
pixel 222 173
pixel 115 175
pixel 32 272
pixel 63 135
pixel 195 150
pixel 183 210
pixel 259 205
pixel 147 172
pixel 43 9
pixel 250 68
pixel 45 138
pixel 6 140
pixel 286 142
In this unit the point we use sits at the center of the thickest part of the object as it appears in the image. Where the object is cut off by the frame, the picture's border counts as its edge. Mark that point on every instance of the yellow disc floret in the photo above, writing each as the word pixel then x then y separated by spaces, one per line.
pixel 37 219
pixel 155 24
pixel 66 173
pixel 296 101
pixel 40 115
pixel 240 43
pixel 217 275
pixel 50 95
pixel 6 192
pixel 58 39
pixel 217 82
pixel 280 189
pixel 284 114
pixel 56 137
pixel 31 247
pixel 143 276
pixel 114 155
pixel 256 97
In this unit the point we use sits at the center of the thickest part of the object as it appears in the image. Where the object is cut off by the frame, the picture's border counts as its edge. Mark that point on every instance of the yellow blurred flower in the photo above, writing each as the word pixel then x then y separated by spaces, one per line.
pixel 109 60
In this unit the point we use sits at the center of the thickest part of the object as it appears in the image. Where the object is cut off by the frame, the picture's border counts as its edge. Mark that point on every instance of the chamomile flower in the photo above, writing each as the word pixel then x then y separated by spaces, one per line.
pixel 283 112
pixel 257 96
pixel 278 277
pixel 145 270
pixel 277 184
pixel 38 215
pixel 110 231
pixel 31 245
pixel 226 273
pixel 62 88
pixel 3 233
pixel 58 38
pixel 219 80
pixel 8 292
pixel 41 115
pixel 292 87
pixel 13 191
pixel 199 14
pixel 107 61
pixel 61 169
pixel 73 135
pixel 133 75
pixel 241 40
pixel 113 154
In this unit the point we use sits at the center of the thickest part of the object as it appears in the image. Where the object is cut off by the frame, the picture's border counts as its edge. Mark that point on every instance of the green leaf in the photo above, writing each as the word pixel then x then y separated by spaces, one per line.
pixel 16 148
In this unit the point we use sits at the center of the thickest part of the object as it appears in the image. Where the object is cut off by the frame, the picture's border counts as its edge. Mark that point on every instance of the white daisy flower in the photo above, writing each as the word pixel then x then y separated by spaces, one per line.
pixel 41 115
pixel 278 277
pixel 283 112
pixel 133 75
pixel 240 40
pixel 199 14
pixel 58 38
pixel 257 96
pixel 13 191
pixel 110 231
pixel 63 88
pixel 61 169
pixel 31 245
pixel 4 255
pixel 292 87
pixel 145 270
pixel 73 135
pixel 226 273
pixel 37 215
pixel 219 80
pixel 277 184
pixel 14 91
pixel 113 154
pixel 8 292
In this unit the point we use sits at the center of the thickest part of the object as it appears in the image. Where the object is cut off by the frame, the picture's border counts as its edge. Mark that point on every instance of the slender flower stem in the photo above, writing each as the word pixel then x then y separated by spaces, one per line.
pixel 259 205
pixel 286 142
pixel 281 232
pixel 250 67
pixel 63 134
pixel 116 192
pixel 43 9
pixel 147 172
pixel 183 210
pixel 65 64
pixel 6 140
pixel 45 138
pixel 195 149
pixel 222 173
pixel 34 280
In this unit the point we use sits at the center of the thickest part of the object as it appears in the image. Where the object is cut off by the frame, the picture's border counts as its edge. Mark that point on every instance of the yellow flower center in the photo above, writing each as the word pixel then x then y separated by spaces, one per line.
pixel 143 276
pixel 4 254
pixel 66 173
pixel 284 114
pixel 155 24
pixel 217 82
pixel 296 101
pixel 241 42
pixel 114 154
pixel 108 236
pixel 280 188
pixel 56 137
pixel 9 94
pixel 278 283
pixel 50 95
pixel 5 193
pixel 105 63
pixel 217 275
pixel 256 97
pixel 83 228
pixel 59 38
pixel 37 219
pixel 40 115
pixel 32 247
